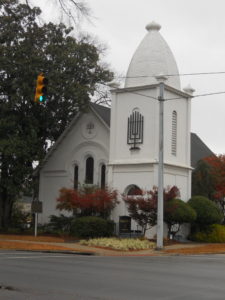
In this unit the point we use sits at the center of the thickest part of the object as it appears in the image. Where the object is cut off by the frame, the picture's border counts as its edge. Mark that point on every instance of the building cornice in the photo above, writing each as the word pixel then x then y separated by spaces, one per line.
pixel 150 86
pixel 147 162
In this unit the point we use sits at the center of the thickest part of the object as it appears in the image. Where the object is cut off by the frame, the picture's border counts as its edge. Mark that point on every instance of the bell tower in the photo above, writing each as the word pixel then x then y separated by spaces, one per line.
pixel 134 129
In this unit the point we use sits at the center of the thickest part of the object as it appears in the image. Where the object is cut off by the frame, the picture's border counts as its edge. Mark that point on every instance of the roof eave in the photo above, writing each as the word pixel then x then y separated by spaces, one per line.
pixel 151 86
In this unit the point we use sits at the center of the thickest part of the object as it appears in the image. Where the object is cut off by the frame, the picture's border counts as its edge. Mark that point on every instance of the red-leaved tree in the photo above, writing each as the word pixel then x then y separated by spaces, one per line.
pixel 217 169
pixel 142 205
pixel 88 201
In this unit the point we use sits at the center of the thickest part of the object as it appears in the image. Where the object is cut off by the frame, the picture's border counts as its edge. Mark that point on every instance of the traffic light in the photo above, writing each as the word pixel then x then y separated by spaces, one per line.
pixel 41 88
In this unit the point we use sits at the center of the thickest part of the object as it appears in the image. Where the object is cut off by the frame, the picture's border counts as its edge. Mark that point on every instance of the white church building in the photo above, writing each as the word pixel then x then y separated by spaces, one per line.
pixel 119 147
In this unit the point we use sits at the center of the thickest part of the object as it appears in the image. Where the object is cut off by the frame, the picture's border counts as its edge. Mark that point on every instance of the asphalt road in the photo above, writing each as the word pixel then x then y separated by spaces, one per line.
pixel 27 275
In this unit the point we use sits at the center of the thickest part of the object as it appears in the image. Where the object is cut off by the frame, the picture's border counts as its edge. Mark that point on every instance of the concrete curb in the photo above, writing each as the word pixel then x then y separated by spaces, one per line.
pixel 58 252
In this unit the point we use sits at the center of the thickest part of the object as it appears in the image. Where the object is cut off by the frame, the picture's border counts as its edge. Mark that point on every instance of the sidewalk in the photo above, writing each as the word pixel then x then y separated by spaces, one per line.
pixel 73 247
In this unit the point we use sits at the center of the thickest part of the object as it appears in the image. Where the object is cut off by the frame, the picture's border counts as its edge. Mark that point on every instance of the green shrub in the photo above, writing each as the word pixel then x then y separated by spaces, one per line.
pixel 59 224
pixel 178 212
pixel 91 227
pixel 207 211
pixel 213 234
pixel 20 219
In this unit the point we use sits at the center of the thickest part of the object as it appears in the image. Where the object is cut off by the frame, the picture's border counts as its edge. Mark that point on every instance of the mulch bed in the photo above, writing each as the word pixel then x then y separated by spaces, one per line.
pixel 21 242
pixel 28 246
pixel 205 249
pixel 50 239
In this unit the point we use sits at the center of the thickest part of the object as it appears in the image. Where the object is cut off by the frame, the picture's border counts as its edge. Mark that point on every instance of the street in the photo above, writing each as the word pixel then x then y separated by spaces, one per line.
pixel 33 275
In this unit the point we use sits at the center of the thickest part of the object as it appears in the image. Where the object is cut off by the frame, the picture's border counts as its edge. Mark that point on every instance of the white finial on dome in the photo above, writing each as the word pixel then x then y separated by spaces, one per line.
pixel 153 26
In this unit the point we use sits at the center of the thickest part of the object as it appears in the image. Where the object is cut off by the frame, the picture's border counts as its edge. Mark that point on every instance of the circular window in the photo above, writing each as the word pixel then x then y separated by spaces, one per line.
pixel 89 129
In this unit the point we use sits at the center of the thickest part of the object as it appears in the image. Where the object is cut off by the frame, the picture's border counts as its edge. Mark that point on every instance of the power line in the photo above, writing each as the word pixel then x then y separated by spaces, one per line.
pixel 167 99
pixel 199 95
pixel 174 75
pixel 177 98
pixel 135 93
pixel 139 94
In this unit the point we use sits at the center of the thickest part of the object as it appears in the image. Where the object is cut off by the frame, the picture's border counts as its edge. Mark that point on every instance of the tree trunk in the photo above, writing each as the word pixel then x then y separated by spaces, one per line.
pixel 7 213
pixel 6 199
pixel 5 209
pixel 1 210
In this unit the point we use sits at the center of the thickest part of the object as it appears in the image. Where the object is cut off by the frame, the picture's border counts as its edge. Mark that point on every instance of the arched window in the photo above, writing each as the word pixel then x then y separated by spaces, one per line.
pixel 103 168
pixel 76 176
pixel 134 190
pixel 89 175
pixel 174 134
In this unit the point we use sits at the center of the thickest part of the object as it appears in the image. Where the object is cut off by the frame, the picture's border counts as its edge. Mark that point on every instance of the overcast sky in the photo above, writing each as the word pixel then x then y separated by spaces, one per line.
pixel 195 32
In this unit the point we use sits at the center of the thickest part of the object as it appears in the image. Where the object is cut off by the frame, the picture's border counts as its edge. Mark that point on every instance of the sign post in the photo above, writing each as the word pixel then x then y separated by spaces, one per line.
pixel 36 207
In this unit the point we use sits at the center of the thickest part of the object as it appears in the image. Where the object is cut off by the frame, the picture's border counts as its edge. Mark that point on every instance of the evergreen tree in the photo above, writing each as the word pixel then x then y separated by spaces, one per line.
pixel 203 180
pixel 73 68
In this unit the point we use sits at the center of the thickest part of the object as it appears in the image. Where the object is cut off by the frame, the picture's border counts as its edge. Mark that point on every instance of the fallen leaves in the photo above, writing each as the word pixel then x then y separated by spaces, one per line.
pixel 25 242
pixel 47 239
pixel 204 249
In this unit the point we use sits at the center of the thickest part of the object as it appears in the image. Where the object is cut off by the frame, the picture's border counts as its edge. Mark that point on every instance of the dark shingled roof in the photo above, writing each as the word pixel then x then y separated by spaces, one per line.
pixel 198 149
pixel 102 111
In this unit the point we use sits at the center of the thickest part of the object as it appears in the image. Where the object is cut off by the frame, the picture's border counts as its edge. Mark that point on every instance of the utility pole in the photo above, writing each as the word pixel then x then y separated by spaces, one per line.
pixel 35 224
pixel 159 228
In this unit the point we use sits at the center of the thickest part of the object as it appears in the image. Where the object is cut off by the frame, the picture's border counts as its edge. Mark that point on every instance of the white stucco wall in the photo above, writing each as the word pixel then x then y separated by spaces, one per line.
pixel 78 144
pixel 140 167
pixel 122 106
pixel 124 103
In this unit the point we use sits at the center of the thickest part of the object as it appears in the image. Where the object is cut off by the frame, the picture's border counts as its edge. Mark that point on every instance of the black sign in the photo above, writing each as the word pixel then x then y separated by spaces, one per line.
pixel 125 224
pixel 36 207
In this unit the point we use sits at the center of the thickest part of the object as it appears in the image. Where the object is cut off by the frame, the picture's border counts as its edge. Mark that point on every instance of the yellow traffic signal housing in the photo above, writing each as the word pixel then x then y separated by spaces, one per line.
pixel 41 88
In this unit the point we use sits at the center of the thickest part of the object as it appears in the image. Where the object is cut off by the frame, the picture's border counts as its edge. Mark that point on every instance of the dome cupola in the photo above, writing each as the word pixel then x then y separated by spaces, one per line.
pixel 152 57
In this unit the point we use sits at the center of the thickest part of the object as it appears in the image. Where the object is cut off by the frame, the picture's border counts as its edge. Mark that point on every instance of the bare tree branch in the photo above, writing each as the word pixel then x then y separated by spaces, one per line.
pixel 73 10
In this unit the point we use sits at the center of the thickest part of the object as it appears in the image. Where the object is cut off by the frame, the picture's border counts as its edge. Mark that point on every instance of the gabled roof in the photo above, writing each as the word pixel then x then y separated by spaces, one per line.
pixel 199 150
pixel 101 111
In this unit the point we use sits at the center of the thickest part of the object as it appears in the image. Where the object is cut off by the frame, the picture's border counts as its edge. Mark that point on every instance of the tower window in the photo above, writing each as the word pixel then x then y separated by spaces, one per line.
pixel 174 134
pixel 76 175
pixel 103 168
pixel 89 177
pixel 135 130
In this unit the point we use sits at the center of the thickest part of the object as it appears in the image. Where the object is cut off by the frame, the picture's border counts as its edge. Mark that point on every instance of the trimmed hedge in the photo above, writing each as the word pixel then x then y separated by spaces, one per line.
pixel 91 227
pixel 177 211
pixel 213 234
pixel 60 223
pixel 208 212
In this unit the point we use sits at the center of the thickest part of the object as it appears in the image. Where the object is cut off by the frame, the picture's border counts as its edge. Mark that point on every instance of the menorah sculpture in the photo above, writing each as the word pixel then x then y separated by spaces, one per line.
pixel 135 130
